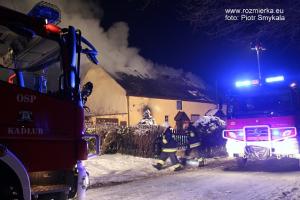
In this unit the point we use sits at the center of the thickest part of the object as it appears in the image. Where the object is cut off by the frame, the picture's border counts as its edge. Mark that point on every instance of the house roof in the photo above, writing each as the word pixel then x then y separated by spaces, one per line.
pixel 181 116
pixel 165 87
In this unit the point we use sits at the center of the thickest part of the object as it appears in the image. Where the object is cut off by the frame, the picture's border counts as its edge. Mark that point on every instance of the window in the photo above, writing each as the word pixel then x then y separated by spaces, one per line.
pixel 107 121
pixel 39 59
pixel 123 123
pixel 179 105
pixel 261 104
pixel 166 118
pixel 194 117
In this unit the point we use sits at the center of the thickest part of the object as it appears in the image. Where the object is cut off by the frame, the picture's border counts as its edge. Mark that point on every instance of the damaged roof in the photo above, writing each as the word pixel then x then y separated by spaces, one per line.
pixel 165 87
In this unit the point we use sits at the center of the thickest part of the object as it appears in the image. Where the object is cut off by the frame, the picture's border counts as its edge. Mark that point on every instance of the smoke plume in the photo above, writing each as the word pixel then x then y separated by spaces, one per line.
pixel 115 55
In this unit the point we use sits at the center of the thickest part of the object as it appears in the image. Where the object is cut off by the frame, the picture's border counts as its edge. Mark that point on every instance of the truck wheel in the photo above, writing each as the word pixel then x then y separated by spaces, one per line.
pixel 62 196
pixel 241 162
pixel 56 196
pixel 10 186
pixel 73 180
pixel 11 191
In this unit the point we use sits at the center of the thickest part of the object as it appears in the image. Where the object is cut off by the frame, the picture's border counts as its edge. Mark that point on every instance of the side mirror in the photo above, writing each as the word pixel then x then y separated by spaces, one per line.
pixel 91 53
pixel 86 91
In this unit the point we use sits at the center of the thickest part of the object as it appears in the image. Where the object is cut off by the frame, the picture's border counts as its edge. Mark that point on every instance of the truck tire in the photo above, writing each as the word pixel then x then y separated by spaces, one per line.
pixel 56 196
pixel 73 180
pixel 10 186
pixel 241 162
pixel 11 190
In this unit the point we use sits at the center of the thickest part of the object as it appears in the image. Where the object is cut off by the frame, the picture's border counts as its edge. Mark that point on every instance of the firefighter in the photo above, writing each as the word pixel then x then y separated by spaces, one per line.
pixel 220 112
pixel 168 149
pixel 194 144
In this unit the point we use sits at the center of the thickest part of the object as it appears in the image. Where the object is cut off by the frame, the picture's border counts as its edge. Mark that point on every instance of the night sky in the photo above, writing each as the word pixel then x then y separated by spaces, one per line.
pixel 163 37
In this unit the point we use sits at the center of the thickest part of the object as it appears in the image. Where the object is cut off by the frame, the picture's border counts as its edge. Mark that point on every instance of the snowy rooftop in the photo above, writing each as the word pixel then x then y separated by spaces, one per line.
pixel 162 86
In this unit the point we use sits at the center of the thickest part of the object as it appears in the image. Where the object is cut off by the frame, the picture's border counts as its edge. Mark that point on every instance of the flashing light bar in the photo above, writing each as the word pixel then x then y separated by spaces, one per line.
pixel 246 83
pixel 274 79
pixel 50 12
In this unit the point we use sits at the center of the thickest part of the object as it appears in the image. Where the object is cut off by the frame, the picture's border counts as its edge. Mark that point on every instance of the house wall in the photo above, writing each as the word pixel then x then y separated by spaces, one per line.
pixel 162 107
pixel 109 101
pixel 108 98
pixel 120 118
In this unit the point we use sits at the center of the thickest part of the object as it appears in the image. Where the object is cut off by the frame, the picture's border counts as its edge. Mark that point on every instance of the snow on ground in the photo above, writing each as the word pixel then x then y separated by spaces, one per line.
pixel 111 169
pixel 131 178
pixel 117 168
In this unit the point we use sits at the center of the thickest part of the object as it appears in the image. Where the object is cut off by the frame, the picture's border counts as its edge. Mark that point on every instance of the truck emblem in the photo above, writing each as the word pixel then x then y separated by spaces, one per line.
pixel 257 132
pixel 25 98
pixel 25 116
pixel 22 131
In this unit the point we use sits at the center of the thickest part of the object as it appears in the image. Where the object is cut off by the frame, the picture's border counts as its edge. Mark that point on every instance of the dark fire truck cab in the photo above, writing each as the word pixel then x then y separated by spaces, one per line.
pixel 263 119
pixel 41 115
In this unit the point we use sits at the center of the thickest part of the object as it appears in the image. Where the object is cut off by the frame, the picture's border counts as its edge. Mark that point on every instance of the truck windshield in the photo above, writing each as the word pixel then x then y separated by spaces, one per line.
pixel 36 57
pixel 265 104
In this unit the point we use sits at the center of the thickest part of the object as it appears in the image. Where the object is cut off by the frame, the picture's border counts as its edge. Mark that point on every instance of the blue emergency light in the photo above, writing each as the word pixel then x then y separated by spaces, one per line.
pixel 246 83
pixel 242 83
pixel 274 79
pixel 46 11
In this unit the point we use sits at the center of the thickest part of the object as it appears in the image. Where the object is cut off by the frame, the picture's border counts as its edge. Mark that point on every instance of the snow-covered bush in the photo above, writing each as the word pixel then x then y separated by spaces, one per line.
pixel 209 124
pixel 137 140
pixel 147 118
pixel 210 129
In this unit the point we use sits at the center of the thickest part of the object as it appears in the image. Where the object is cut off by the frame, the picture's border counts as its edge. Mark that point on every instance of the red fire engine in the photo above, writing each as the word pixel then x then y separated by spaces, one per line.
pixel 263 120
pixel 42 118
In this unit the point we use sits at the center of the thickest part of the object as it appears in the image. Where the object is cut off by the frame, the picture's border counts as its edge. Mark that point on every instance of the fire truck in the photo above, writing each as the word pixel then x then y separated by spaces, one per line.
pixel 263 118
pixel 42 141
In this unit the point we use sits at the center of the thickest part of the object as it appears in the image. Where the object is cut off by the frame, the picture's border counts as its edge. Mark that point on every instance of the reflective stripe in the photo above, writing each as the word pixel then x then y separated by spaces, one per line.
pixel 169 150
pixel 195 145
pixel 175 166
pixel 161 162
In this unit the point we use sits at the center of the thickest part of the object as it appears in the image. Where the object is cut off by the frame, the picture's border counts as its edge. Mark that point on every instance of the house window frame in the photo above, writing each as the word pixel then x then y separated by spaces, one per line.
pixel 193 117
pixel 166 118
pixel 123 123
pixel 179 105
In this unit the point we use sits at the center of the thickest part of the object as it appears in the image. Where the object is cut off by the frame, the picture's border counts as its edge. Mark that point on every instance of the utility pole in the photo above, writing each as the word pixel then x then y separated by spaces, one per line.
pixel 258 48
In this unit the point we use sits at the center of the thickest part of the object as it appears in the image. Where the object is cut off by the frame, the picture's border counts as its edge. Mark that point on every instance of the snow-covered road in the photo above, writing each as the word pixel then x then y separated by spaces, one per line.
pixel 219 180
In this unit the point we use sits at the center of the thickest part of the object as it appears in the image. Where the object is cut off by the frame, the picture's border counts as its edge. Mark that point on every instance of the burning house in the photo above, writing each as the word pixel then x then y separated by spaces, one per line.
pixel 130 99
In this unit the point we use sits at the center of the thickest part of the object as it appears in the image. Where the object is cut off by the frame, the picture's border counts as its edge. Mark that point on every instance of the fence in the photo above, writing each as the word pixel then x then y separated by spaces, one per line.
pixel 137 140
pixel 182 140
pixel 212 144
pixel 141 140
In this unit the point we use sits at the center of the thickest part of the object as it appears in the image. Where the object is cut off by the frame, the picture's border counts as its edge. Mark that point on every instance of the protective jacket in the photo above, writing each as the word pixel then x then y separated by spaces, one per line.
pixel 168 144
pixel 193 137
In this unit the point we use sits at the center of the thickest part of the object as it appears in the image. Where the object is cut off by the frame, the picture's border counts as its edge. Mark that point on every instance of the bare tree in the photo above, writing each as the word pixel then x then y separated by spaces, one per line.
pixel 143 4
pixel 209 16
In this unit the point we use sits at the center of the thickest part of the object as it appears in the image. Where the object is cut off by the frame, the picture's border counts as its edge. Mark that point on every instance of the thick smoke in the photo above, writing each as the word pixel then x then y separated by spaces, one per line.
pixel 115 55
